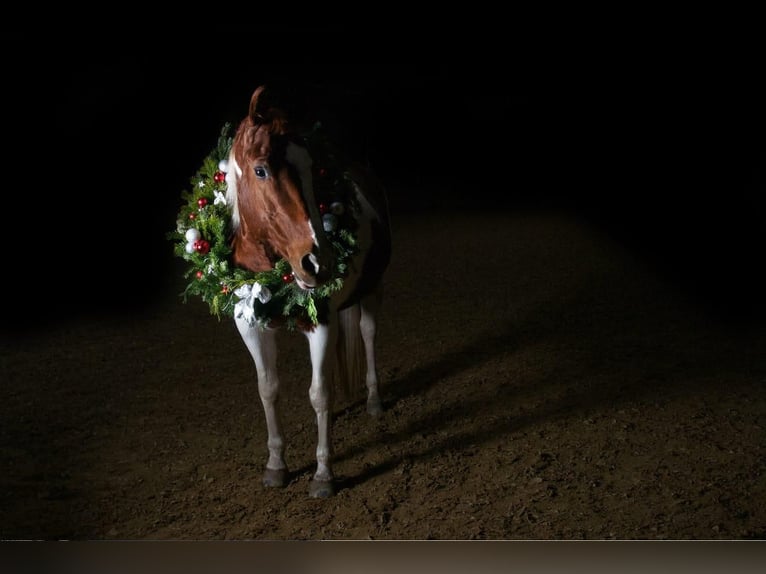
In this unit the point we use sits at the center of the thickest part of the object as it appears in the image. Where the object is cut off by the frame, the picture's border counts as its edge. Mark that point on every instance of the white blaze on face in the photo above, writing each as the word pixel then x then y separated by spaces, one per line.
pixel 312 257
pixel 232 175
pixel 314 262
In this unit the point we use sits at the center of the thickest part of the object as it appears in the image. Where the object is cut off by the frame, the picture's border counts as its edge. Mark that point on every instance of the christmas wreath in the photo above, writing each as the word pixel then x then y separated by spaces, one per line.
pixel 203 239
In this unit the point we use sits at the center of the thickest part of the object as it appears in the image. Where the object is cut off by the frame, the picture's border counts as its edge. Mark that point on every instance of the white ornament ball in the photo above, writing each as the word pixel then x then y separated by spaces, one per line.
pixel 329 222
pixel 190 247
pixel 222 165
pixel 192 235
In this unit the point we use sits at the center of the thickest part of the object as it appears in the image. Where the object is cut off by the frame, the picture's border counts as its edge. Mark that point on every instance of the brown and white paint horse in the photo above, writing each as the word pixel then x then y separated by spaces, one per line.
pixel 275 214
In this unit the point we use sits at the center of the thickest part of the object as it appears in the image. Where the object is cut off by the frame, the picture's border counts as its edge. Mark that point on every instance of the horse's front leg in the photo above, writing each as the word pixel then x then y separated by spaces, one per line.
pixel 322 340
pixel 263 347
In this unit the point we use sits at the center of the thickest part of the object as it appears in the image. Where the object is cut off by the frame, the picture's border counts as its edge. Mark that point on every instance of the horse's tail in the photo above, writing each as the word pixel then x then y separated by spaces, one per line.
pixel 350 367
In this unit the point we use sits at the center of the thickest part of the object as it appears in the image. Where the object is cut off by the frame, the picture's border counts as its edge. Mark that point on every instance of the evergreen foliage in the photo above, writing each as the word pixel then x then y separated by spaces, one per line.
pixel 213 277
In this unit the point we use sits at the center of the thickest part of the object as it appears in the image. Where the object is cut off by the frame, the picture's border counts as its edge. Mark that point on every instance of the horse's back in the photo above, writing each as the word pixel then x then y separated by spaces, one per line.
pixel 375 232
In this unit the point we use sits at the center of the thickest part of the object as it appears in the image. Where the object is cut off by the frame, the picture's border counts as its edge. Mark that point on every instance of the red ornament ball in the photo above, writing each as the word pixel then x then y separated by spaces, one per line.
pixel 201 246
pixel 199 274
pixel 287 277
pixel 322 172
pixel 202 202
pixel 219 177
pixel 192 216
pixel 322 208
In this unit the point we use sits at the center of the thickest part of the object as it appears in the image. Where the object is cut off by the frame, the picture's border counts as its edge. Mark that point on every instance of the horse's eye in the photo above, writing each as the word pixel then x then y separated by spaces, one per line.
pixel 260 172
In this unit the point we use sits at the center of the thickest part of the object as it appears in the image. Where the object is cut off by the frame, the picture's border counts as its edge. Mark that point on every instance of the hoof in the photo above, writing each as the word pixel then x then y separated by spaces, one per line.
pixel 275 478
pixel 321 489
pixel 374 408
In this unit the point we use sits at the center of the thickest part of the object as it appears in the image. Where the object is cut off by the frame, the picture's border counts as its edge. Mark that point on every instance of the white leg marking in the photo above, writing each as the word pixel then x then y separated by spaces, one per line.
pixel 368 325
pixel 263 347
pixel 322 342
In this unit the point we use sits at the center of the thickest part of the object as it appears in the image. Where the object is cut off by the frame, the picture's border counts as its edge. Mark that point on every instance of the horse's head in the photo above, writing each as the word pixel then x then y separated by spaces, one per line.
pixel 267 177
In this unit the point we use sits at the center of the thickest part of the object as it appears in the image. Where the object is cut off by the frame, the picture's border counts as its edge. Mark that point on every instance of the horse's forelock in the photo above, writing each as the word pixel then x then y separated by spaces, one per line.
pixel 249 143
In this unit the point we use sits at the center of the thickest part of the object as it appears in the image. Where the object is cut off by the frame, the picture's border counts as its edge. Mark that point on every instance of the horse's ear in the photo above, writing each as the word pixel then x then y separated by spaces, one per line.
pixel 255 116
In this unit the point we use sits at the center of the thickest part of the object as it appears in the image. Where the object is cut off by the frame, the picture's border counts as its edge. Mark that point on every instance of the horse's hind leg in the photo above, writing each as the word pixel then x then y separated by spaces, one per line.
pixel 368 325
pixel 263 347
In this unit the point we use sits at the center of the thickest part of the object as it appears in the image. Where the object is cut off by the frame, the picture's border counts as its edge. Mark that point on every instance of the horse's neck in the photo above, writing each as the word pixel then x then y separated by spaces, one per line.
pixel 370 195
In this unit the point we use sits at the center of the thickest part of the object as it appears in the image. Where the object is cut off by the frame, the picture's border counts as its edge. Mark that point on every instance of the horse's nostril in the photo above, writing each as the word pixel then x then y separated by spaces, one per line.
pixel 310 264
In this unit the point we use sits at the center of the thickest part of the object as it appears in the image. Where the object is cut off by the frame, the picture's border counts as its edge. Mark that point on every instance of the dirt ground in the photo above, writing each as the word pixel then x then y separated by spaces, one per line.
pixel 540 381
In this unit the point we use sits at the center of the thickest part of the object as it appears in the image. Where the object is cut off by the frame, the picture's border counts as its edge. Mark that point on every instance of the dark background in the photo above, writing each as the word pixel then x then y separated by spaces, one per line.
pixel 663 151
pixel 659 149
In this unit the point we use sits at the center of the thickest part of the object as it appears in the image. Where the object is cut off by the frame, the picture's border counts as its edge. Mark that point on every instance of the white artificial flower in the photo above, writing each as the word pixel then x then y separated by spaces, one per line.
pixel 219 198
pixel 247 294
pixel 263 293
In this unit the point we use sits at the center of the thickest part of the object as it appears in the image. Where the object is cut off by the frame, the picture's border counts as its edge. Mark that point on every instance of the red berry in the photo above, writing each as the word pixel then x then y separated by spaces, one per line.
pixel 287 277
pixel 219 176
pixel 202 202
pixel 200 274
